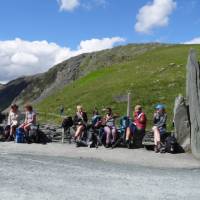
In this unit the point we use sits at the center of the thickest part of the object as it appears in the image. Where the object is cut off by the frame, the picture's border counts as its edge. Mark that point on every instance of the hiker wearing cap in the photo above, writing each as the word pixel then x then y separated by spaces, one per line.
pixel 159 128
pixel 13 122
pixel 138 124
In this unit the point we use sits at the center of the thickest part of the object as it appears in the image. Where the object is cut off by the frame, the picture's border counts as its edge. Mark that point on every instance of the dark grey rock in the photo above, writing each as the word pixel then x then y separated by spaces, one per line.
pixel 193 99
pixel 182 123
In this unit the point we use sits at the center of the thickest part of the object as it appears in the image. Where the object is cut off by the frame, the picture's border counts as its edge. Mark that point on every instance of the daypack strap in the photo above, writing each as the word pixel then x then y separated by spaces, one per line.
pixel 140 115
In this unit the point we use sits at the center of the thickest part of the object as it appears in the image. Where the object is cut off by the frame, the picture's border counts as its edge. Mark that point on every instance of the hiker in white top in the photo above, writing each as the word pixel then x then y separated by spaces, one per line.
pixel 13 122
pixel 30 118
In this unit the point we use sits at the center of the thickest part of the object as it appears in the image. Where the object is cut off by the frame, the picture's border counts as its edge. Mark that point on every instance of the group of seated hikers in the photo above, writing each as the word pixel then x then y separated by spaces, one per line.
pixel 106 125
pixel 109 133
pixel 13 121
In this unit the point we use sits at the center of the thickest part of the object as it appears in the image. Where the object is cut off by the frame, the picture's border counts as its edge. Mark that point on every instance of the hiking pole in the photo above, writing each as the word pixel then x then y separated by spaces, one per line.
pixel 128 104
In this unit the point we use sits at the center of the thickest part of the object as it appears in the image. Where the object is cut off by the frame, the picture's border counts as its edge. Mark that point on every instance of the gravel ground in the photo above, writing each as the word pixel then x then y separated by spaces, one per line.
pixel 62 172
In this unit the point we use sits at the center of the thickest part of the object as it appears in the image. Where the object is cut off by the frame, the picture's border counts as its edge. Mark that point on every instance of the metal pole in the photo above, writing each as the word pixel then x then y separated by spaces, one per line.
pixel 128 104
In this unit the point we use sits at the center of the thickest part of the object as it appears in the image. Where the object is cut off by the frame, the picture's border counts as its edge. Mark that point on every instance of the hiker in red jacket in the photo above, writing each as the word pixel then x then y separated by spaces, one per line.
pixel 138 124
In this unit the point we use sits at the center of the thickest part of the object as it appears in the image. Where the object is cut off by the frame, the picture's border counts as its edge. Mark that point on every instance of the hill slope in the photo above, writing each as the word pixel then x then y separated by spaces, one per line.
pixel 36 88
pixel 153 76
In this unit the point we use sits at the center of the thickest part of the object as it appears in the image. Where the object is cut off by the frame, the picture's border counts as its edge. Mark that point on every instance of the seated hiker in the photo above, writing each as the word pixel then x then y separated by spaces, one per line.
pixel 96 119
pixel 95 131
pixel 159 128
pixel 30 119
pixel 138 124
pixel 110 128
pixel 80 120
pixel 13 122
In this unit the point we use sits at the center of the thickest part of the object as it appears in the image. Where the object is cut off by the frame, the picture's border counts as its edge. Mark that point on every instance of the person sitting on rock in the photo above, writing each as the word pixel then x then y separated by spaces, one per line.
pixel 30 119
pixel 138 124
pixel 80 120
pixel 110 128
pixel 13 122
pixel 159 128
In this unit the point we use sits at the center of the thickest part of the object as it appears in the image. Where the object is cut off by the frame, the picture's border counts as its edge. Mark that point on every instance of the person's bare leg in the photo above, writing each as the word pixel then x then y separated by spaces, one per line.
pixel 12 130
pixel 156 138
pixel 108 135
pixel 128 133
pixel 79 132
pixel 114 135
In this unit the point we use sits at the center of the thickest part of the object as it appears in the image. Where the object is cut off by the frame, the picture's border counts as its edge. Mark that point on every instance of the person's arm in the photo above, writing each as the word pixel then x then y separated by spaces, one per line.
pixel 9 119
pixel 155 118
pixel 85 118
pixel 75 119
pixel 25 120
pixel 108 117
pixel 142 119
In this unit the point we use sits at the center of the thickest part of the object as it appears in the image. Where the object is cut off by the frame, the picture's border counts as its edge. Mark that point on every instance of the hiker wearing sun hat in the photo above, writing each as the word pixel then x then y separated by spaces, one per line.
pixel 159 128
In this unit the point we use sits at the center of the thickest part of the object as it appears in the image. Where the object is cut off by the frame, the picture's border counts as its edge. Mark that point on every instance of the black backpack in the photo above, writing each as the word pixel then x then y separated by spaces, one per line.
pixel 170 145
pixel 67 122
pixel 38 136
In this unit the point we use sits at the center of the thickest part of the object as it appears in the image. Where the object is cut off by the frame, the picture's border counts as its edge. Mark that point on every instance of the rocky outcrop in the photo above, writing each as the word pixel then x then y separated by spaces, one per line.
pixel 193 100
pixel 9 91
pixel 182 123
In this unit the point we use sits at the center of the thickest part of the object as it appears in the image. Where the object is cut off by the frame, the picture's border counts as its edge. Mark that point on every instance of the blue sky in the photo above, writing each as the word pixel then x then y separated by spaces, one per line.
pixel 61 26
pixel 42 20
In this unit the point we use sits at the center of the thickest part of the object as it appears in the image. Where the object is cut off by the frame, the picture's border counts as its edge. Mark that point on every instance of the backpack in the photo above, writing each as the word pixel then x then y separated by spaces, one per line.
pixel 19 135
pixel 96 121
pixel 33 135
pixel 37 136
pixel 170 145
pixel 67 122
pixel 124 122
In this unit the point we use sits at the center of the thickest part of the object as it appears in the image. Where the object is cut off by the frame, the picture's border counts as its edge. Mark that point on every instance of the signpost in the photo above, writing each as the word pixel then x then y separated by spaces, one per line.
pixel 128 104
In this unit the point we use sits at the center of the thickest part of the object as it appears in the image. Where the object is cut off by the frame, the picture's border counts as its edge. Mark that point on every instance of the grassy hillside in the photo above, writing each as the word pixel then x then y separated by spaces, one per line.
pixel 157 75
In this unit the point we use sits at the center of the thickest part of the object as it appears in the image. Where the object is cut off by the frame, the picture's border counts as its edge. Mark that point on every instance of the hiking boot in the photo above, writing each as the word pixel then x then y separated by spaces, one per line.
pixel 107 146
pixel 128 144
pixel 9 139
pixel 77 144
pixel 156 149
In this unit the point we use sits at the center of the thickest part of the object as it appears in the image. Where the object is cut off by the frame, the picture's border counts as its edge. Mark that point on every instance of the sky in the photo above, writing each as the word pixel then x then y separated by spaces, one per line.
pixel 37 34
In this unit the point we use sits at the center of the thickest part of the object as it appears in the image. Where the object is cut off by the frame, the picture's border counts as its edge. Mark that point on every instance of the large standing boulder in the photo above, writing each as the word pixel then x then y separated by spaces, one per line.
pixel 182 123
pixel 193 100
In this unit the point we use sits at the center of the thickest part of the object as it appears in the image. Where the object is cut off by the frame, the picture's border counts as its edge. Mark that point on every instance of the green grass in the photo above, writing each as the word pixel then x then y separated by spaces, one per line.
pixel 149 77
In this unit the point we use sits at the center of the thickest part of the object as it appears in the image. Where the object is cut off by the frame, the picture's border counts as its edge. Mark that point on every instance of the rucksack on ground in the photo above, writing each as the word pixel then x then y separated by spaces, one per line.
pixel 171 146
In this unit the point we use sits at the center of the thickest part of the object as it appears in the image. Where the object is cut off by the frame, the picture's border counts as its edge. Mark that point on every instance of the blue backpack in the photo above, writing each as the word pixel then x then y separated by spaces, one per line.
pixel 124 124
pixel 19 135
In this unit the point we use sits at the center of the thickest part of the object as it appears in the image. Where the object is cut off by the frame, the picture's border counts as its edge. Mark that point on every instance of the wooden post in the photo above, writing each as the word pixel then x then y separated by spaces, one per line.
pixel 128 104
pixel 63 135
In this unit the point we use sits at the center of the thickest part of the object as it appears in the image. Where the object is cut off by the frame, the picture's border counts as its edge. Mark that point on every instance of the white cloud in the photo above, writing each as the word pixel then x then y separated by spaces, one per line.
pixel 155 14
pixel 193 41
pixel 19 57
pixel 98 44
pixel 68 5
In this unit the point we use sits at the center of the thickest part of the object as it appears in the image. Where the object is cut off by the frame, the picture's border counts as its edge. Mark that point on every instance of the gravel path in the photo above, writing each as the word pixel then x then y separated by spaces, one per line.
pixel 62 172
